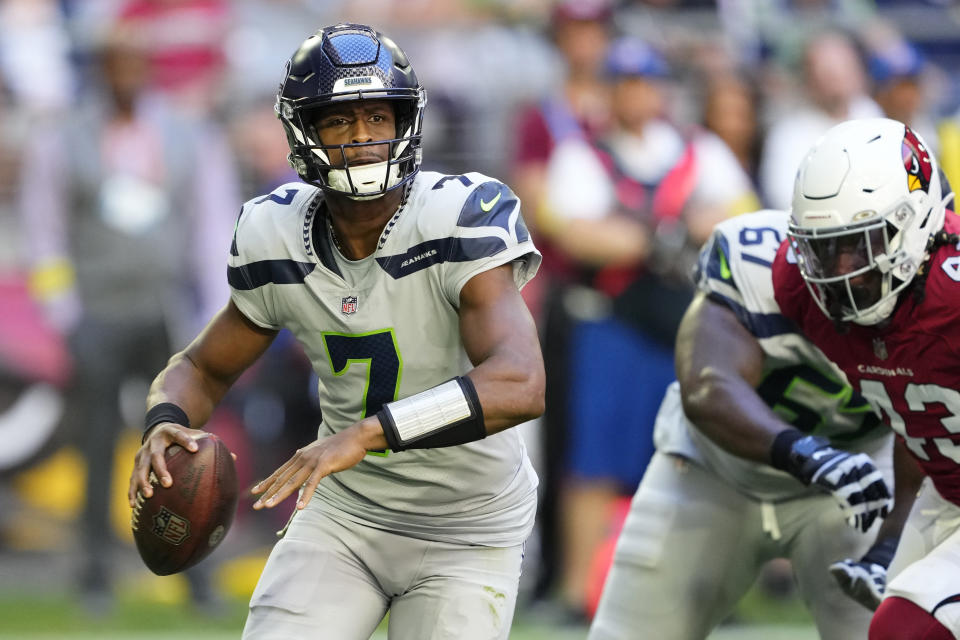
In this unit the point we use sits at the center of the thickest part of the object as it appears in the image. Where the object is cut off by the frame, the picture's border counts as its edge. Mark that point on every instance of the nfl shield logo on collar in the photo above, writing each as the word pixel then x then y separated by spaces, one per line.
pixel 348 305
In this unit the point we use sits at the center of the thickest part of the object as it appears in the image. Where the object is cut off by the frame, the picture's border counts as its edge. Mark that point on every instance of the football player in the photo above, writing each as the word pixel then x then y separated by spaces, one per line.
pixel 718 501
pixel 872 276
pixel 403 288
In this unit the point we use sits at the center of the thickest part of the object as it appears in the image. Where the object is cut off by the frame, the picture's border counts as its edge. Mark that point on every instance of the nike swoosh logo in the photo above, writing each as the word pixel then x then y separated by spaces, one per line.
pixel 486 206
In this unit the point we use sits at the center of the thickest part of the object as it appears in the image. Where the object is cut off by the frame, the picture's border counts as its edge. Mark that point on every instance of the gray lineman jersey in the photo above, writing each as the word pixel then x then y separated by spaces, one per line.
pixel 386 327
pixel 800 384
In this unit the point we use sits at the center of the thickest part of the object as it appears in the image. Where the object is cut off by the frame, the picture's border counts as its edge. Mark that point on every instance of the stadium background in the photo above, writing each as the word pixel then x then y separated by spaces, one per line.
pixel 482 62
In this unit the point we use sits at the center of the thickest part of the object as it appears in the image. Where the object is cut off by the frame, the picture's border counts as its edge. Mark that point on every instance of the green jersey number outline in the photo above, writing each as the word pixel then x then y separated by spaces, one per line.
pixel 378 350
pixel 789 390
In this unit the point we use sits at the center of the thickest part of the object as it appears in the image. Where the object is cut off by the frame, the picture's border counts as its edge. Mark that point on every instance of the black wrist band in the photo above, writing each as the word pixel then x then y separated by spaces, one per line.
pixel 163 412
pixel 882 551
pixel 782 444
pixel 389 430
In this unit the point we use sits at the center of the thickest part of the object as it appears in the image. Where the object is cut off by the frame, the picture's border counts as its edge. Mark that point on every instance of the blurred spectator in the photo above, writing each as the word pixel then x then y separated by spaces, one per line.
pixel 614 208
pixel 724 149
pixel 896 70
pixel 34 45
pixel 184 41
pixel 730 111
pixel 261 153
pixel 578 109
pixel 835 90
pixel 580 106
pixel 127 210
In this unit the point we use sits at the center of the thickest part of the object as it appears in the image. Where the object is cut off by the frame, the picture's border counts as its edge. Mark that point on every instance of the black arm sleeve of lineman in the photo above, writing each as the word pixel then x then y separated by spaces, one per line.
pixel 467 430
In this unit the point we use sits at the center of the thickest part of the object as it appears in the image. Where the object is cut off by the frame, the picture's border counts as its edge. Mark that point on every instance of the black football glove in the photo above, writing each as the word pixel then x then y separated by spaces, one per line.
pixel 852 478
pixel 865 579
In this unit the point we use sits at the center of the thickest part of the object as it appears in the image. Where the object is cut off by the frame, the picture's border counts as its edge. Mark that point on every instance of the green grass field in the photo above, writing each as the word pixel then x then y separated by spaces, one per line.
pixel 519 633
pixel 61 617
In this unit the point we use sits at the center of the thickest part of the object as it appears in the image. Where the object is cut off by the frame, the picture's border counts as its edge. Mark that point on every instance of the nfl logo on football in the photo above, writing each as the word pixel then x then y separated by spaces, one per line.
pixel 348 305
pixel 171 527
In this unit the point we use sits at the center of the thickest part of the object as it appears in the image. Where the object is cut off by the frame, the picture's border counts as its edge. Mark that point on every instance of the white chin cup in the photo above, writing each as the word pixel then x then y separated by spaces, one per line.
pixel 366 179
pixel 880 312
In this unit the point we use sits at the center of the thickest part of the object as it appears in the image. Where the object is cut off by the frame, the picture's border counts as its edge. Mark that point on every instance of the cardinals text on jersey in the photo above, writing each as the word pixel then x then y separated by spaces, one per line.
pixel 907 368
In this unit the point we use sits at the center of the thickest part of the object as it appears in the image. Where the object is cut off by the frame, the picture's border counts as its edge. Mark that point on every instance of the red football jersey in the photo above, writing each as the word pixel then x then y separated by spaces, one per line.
pixel 910 369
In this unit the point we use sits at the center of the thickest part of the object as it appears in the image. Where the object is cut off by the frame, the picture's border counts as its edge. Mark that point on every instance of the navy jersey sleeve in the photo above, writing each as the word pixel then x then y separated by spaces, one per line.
pixel 248 275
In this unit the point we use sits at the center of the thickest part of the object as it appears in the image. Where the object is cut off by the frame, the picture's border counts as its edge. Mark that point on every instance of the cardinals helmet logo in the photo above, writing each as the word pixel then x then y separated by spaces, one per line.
pixel 916 160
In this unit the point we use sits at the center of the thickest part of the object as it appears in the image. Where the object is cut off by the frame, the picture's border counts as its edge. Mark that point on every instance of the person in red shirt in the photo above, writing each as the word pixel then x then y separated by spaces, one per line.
pixel 870 273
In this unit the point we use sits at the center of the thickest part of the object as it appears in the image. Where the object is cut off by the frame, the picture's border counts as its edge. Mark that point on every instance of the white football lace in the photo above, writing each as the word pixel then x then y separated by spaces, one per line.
pixel 135 518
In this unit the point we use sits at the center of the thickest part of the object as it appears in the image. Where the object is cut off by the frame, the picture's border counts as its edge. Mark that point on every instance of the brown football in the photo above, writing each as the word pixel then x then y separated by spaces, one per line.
pixel 180 525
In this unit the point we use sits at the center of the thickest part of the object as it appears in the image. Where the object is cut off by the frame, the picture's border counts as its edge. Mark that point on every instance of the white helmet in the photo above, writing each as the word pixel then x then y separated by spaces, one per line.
pixel 866 201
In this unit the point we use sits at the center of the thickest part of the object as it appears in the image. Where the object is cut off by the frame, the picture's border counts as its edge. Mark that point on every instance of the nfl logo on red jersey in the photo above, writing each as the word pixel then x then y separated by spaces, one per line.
pixel 880 348
pixel 348 305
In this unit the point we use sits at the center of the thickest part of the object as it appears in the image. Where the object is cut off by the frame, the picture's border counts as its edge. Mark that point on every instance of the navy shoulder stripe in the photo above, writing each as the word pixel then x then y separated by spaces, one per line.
pixel 433 252
pixel 491 204
pixel 761 325
pixel 233 246
pixel 256 274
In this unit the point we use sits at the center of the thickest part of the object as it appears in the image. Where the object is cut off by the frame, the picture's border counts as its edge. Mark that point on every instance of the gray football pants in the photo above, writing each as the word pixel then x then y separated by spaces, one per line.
pixel 335 579
pixel 692 546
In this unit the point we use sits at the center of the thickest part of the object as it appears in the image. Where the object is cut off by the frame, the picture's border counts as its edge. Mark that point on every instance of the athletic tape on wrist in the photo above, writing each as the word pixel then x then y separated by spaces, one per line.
pixel 445 415
pixel 163 412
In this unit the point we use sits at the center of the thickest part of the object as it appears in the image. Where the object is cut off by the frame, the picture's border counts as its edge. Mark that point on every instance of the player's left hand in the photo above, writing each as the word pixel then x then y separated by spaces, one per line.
pixel 852 478
pixel 865 580
pixel 309 466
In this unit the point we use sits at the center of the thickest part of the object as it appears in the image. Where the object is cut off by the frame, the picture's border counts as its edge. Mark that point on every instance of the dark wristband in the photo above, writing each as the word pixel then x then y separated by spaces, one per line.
pixel 390 433
pixel 782 445
pixel 163 412
pixel 882 552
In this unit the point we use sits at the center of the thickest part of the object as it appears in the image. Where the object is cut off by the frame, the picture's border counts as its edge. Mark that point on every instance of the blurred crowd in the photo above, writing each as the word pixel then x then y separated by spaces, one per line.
pixel 132 130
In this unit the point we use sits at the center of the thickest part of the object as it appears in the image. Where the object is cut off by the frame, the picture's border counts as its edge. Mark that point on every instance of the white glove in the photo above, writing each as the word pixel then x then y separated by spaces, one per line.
pixel 852 478
pixel 865 580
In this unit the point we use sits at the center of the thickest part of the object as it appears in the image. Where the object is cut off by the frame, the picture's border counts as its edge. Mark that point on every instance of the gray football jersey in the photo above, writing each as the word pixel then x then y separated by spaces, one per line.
pixel 386 327
pixel 799 383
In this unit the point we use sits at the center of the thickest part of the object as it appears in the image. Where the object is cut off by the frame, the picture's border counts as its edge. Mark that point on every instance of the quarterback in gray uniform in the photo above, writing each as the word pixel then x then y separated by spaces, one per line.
pixel 757 445
pixel 403 288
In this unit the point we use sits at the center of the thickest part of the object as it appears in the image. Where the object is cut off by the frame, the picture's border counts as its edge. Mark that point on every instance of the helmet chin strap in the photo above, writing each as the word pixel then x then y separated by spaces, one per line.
pixel 366 179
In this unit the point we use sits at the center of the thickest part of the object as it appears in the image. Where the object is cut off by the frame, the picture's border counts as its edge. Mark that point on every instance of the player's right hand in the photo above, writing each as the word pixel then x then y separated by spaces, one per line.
pixel 852 478
pixel 865 580
pixel 149 458
pixel 309 465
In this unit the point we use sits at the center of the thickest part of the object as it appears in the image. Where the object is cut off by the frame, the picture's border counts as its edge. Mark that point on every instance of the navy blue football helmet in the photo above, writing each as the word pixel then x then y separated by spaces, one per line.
pixel 350 62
